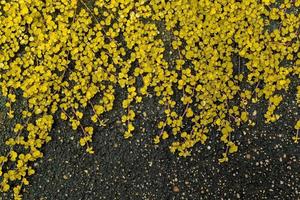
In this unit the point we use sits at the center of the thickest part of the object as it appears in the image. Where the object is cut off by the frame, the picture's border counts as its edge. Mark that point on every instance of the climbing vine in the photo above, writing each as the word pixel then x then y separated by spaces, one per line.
pixel 204 60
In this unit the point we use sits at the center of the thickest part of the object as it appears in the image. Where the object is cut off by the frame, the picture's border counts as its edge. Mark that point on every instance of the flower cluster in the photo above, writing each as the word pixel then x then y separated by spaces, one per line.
pixel 205 61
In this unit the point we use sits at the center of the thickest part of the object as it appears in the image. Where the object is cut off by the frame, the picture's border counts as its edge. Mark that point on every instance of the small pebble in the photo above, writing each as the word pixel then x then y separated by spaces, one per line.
pixel 175 189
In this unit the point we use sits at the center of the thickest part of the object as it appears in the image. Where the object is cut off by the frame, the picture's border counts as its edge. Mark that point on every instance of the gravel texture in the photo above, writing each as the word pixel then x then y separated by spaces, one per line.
pixel 267 165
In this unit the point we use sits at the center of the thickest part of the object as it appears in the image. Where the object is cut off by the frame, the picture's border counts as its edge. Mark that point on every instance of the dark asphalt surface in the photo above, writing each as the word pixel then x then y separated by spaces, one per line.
pixel 267 165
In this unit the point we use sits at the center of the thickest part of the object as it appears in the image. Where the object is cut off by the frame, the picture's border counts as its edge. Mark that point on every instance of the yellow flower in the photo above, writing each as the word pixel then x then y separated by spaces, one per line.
pixel 224 159
pixel 156 140
pixel 31 171
pixel 165 135
pixel 82 141
pixel 244 116
pixel 130 127
pixel 13 155
pixel 63 116
pixel 90 150
pixel 296 139
pixel 5 187
pixel 233 148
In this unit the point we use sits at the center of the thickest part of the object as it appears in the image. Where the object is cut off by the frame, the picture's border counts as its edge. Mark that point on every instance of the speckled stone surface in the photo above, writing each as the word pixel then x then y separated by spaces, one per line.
pixel 267 165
